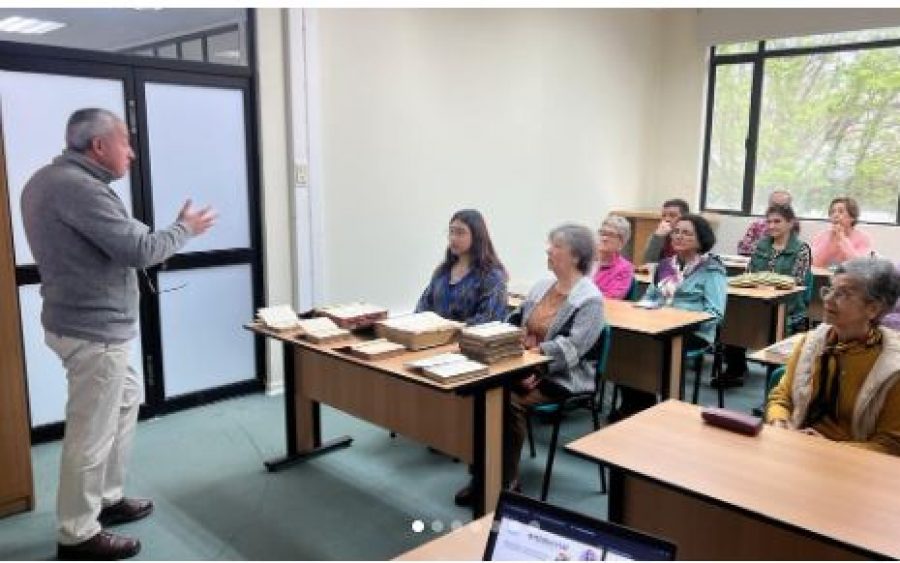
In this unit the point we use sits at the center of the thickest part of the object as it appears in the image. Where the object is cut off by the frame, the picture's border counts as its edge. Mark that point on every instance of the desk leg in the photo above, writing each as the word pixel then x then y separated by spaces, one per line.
pixel 780 322
pixel 307 443
pixel 488 454
pixel 675 370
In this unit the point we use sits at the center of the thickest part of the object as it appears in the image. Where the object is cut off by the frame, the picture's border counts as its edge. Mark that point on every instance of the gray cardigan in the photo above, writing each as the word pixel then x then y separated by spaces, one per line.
pixel 87 247
pixel 572 334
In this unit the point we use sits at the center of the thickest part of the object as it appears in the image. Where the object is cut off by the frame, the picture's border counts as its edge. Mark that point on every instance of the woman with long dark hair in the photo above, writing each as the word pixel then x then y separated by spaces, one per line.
pixel 470 284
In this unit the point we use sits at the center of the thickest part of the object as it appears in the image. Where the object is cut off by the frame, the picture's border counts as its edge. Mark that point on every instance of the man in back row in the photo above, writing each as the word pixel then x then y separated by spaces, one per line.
pixel 87 248
pixel 659 245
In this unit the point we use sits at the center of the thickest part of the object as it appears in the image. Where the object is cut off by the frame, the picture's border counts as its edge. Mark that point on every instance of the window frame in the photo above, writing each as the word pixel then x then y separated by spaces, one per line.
pixel 758 59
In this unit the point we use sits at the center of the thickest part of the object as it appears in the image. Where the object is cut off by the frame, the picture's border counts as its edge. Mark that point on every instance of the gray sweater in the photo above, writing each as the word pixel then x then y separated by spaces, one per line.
pixel 572 334
pixel 87 247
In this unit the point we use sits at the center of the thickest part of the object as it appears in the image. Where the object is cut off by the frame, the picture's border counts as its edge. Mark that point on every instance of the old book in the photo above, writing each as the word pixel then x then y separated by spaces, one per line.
pixel 455 371
pixel 378 349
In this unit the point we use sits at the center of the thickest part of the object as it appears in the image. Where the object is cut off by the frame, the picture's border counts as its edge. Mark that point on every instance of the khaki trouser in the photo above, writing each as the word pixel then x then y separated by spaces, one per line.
pixel 101 413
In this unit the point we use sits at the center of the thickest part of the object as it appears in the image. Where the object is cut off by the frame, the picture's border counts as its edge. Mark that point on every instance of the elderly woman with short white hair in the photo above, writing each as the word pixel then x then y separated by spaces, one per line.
pixel 563 319
pixel 614 274
pixel 841 381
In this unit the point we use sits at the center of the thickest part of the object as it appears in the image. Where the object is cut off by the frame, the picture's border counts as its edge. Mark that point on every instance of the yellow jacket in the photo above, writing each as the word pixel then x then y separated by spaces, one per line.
pixel 869 399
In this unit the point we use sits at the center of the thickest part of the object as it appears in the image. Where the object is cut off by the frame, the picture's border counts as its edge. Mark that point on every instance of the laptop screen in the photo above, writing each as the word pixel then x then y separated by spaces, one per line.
pixel 525 529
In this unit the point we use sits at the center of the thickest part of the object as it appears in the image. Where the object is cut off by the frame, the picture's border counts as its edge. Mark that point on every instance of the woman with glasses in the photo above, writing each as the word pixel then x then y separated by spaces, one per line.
pixel 614 273
pixel 780 251
pixel 692 279
pixel 470 284
pixel 841 380
pixel 842 240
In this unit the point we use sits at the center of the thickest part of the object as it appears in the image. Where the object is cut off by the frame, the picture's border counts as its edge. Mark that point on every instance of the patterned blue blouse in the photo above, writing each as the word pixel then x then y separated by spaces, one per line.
pixel 476 298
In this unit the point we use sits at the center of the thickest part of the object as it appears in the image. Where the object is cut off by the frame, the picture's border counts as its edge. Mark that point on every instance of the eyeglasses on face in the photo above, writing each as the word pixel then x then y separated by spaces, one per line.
pixel 683 233
pixel 839 294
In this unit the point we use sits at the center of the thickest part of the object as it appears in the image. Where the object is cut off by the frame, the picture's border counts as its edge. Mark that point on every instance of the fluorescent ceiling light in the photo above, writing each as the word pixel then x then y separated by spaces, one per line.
pixel 229 54
pixel 30 26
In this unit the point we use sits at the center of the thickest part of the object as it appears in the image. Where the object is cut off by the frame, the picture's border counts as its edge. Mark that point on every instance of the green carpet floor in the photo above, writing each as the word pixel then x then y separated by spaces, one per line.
pixel 214 500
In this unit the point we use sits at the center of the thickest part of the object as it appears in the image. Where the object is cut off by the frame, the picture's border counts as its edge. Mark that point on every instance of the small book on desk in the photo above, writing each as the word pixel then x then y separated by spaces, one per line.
pixel 455 371
pixel 280 318
pixel 321 330
pixel 378 349
pixel 448 368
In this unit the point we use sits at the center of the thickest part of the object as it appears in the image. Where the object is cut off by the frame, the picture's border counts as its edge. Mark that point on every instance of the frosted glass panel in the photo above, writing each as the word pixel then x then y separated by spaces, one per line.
pixel 34 109
pixel 46 376
pixel 203 343
pixel 197 150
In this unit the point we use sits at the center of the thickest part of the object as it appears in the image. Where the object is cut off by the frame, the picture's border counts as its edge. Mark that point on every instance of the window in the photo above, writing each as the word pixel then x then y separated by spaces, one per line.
pixel 818 116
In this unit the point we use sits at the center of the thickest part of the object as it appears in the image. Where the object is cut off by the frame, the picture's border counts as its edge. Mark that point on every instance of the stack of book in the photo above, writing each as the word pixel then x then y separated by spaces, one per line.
pixel 418 330
pixel 448 368
pixel 377 349
pixel 491 342
pixel 321 330
pixel 353 316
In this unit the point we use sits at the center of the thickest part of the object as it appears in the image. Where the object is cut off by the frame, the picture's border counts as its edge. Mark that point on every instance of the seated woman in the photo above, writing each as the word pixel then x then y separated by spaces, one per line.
pixel 692 279
pixel 563 319
pixel 780 251
pixel 842 241
pixel 470 284
pixel 659 245
pixel 841 381
pixel 614 273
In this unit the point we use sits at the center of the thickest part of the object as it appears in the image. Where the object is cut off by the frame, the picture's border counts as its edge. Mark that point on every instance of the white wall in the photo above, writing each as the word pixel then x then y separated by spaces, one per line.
pixel 533 116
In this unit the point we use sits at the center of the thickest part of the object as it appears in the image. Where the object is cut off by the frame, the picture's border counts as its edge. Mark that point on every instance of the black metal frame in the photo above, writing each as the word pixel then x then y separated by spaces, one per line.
pixel 757 59
pixel 135 70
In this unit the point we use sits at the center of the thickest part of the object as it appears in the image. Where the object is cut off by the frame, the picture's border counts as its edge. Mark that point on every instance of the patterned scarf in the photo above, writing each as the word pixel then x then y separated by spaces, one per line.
pixel 828 387
pixel 671 274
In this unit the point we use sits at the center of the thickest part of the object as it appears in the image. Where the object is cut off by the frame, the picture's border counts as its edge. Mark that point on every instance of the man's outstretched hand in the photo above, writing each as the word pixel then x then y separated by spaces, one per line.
pixel 198 221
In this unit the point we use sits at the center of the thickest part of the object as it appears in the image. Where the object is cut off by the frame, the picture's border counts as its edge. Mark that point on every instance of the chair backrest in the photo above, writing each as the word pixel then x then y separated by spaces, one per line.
pixel 774 379
pixel 633 290
pixel 601 349
pixel 809 281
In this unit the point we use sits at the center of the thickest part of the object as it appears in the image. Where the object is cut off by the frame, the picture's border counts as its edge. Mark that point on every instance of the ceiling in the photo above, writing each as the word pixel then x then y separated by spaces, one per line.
pixel 112 29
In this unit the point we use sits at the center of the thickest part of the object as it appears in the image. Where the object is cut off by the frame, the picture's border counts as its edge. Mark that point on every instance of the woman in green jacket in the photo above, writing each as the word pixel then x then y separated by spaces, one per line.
pixel 780 251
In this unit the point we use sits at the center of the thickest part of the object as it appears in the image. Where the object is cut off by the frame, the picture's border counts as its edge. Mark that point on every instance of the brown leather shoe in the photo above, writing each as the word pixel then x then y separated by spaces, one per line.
pixel 126 510
pixel 104 546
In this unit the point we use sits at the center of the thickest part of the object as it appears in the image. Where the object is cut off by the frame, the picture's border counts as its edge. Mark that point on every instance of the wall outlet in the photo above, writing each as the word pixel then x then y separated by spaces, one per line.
pixel 301 174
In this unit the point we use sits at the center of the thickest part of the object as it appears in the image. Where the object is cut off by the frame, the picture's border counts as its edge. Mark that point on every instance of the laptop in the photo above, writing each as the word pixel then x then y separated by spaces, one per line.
pixel 525 529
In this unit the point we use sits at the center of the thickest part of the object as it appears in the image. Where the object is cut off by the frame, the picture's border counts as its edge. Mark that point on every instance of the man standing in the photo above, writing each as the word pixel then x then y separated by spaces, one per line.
pixel 87 248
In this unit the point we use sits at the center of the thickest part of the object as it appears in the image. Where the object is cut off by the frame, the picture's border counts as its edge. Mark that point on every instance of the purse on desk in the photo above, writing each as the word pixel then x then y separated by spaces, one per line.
pixel 731 420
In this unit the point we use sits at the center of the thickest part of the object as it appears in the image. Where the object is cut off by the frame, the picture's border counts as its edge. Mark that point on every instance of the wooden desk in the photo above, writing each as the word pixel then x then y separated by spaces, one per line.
pixel 462 419
pixel 754 317
pixel 721 495
pixel 463 544
pixel 770 358
pixel 647 345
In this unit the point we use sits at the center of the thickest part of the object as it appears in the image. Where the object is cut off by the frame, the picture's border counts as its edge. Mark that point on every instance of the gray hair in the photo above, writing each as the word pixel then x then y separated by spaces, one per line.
pixel 621 226
pixel 879 278
pixel 87 124
pixel 581 243
pixel 780 191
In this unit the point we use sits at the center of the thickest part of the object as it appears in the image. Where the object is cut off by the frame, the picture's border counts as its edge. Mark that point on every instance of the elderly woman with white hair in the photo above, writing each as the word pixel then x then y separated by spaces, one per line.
pixel 841 381
pixel 563 319
pixel 614 273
